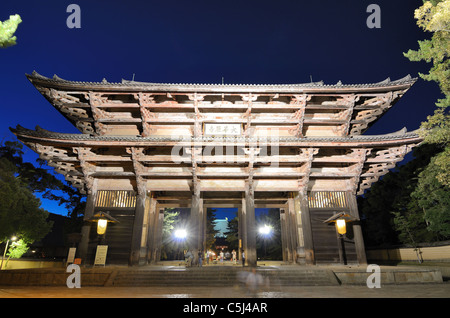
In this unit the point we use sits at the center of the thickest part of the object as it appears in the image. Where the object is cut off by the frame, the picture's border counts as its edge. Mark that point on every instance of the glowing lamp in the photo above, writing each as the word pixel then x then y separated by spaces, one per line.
pixel 265 230
pixel 180 234
pixel 101 226
pixel 102 219
pixel 340 226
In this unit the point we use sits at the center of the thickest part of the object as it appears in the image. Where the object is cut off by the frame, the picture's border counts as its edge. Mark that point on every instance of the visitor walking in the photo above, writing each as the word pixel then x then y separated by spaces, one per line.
pixel 253 282
pixel 188 258
pixel 200 256
pixel 243 258
pixel 234 256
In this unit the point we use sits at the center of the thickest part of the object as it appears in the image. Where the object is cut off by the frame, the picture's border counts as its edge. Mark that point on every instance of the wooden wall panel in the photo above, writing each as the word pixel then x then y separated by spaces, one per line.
pixel 117 237
pixel 325 240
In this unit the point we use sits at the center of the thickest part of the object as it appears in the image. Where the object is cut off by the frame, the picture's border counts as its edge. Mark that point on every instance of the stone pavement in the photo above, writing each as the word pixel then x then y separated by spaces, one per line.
pixel 432 290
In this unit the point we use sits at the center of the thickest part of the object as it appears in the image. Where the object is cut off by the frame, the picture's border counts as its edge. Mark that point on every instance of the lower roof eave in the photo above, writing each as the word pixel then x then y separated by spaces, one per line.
pixel 44 136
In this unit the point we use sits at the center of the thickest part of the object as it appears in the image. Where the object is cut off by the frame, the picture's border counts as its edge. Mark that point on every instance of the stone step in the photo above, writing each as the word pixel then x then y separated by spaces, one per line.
pixel 221 277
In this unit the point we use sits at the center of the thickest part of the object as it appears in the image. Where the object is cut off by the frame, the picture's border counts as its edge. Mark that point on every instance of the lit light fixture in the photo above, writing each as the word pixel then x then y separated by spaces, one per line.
pixel 102 219
pixel 180 234
pixel 340 226
pixel 340 220
pixel 265 230
pixel 13 238
pixel 101 226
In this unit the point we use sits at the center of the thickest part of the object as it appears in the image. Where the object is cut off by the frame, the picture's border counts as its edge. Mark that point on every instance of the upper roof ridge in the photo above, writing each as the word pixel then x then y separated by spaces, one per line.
pixel 127 83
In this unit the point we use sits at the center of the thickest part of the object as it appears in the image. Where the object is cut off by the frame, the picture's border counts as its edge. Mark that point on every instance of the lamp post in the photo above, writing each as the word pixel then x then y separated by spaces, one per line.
pixel 340 219
pixel 266 232
pixel 342 229
pixel 13 238
pixel 102 219
pixel 180 236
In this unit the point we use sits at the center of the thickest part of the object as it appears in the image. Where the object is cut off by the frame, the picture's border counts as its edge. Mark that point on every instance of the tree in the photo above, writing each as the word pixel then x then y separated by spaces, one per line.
pixel 211 231
pixel 17 249
pixel 39 179
pixel 20 212
pixel 434 16
pixel 171 249
pixel 389 202
pixel 432 191
pixel 433 198
pixel 232 234
pixel 7 30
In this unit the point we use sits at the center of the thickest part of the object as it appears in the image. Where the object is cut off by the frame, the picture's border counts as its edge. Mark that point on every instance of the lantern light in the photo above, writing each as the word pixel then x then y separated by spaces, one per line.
pixel 340 226
pixel 102 219
pixel 101 226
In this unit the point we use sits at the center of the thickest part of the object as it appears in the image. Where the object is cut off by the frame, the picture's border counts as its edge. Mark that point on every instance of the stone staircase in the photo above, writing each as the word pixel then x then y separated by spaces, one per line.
pixel 220 276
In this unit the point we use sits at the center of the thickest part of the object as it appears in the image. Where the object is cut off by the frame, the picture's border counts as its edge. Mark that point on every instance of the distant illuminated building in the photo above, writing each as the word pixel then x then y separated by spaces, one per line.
pixel 221 225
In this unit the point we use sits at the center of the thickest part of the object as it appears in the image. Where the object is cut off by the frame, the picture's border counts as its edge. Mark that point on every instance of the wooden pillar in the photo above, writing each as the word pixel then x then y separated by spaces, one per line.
pixel 156 257
pixel 205 219
pixel 284 239
pixel 86 228
pixel 243 227
pixel 297 217
pixel 152 231
pixel 291 233
pixel 306 229
pixel 250 226
pixel 139 213
pixel 196 227
pixel 357 232
pixel 249 203
pixel 239 251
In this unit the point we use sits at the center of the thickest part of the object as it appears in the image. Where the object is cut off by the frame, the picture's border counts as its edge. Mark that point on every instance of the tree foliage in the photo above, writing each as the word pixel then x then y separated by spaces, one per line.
pixel 39 179
pixel 171 249
pixel 390 210
pixel 232 237
pixel 412 203
pixel 434 199
pixel 20 212
pixel 211 231
pixel 434 17
pixel 7 30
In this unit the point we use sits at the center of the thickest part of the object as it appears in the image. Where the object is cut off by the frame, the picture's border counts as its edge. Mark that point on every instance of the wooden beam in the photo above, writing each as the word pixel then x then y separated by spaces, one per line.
pixel 357 231
pixel 141 189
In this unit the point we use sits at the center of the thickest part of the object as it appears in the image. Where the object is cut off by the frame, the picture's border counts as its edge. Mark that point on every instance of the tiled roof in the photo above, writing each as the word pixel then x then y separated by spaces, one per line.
pixel 56 80
pixel 42 133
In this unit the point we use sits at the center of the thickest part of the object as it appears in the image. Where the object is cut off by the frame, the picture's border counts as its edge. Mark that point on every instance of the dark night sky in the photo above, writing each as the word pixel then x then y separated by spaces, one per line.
pixel 253 42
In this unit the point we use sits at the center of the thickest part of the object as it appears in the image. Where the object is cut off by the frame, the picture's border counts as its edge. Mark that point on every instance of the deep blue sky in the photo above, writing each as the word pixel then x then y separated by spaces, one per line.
pixel 251 41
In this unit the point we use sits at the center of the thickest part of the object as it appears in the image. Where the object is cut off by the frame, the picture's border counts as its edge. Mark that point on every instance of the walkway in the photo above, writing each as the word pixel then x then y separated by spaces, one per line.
pixel 388 291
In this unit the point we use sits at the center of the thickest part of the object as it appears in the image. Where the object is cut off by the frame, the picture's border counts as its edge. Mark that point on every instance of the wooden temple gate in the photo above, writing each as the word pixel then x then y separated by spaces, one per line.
pixel 297 147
